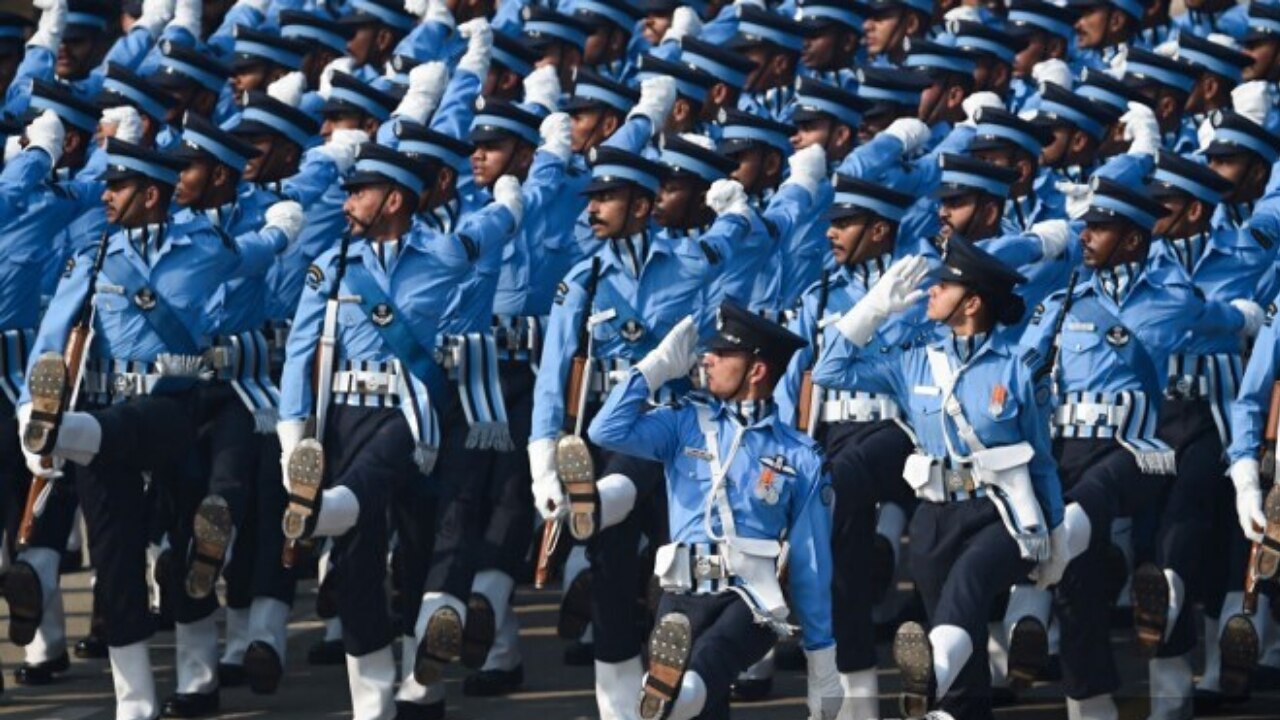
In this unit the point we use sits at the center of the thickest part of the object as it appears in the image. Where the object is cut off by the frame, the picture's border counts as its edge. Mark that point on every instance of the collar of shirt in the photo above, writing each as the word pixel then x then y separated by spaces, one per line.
pixel 443 218
pixel 219 216
pixel 965 347
pixel 1117 281
pixel 750 413
pixel 775 100
pixel 869 271
pixel 632 253
pixel 1189 250
pixel 1022 210
pixel 761 201
pixel 147 241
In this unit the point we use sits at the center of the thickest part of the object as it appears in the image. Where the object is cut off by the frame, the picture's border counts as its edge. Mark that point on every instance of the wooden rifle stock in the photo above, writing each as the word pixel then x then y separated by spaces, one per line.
pixel 806 413
pixel 545 569
pixel 1267 470
pixel 804 402
pixel 74 356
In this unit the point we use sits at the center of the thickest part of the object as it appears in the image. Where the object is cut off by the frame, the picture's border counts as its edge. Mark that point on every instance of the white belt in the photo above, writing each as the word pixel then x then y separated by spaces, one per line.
pixel 365 382
pixel 222 359
pixel 1090 415
pixel 859 409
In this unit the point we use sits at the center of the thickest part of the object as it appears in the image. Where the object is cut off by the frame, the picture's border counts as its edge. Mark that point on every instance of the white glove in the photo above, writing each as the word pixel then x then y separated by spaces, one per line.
pixel 12 148
pixel 1119 63
pixel 542 87
pixel 674 356
pixel 1053 235
pixel 912 133
pixel 285 216
pixel 976 102
pixel 557 135
pixel 344 64
pixel 1205 133
pixel 1253 314
pixel 825 694
pixel 1252 100
pixel 122 123
pixel 1053 71
pixel 46 132
pixel 808 167
pixel 431 11
pixel 1244 475
pixel 342 147
pixel 155 15
pixel 897 290
pixel 290 433
pixel 289 89
pixel 1078 195
pixel 426 86
pixel 187 15
pixel 1141 128
pixel 727 197
pixel 506 192
pixel 548 495
pixel 479 47
pixel 53 20
pixel 1168 48
pixel 684 23
pixel 1049 571
pixel 657 95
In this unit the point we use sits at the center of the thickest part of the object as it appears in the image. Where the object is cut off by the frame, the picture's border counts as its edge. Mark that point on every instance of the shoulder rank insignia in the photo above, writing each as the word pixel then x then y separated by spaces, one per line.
pixel 70 266
pixel 315 276
pixel 1037 314
pixel 1118 336
pixel 382 315
pixel 632 331
pixel 562 290
pixel 145 299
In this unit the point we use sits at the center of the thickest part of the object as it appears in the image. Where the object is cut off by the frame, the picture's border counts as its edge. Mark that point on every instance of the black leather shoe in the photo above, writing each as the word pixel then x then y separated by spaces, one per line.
pixel 230 676
pixel 579 654
pixel 410 711
pixel 263 668
pixel 190 705
pixel 31 674
pixel 91 647
pixel 492 683
pixel 327 652
pixel 750 691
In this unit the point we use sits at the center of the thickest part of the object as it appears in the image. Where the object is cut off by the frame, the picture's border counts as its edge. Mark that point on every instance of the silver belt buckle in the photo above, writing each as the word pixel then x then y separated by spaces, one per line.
pixel 958 480
pixel 702 567
pixel 369 383
pixel 123 385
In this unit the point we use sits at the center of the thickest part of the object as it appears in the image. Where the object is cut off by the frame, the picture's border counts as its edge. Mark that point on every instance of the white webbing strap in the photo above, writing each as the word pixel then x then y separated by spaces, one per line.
pixel 718 497
pixel 940 366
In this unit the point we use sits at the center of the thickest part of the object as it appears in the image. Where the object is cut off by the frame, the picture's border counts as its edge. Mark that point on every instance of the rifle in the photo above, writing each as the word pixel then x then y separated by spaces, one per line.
pixel 807 402
pixel 579 388
pixel 75 356
pixel 1055 350
pixel 322 371
pixel 1254 574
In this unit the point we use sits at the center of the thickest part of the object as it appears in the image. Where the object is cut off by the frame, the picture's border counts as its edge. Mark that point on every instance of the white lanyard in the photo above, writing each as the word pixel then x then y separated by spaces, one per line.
pixel 940 365
pixel 718 497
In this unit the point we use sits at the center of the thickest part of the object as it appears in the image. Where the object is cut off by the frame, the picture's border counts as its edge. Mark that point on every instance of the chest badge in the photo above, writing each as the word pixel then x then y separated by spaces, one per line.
pixel 145 299
pixel 1118 336
pixel 999 394
pixel 766 489
pixel 382 315
pixel 632 331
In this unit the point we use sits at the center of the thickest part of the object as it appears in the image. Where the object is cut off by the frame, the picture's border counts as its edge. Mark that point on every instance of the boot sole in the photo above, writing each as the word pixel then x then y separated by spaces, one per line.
pixel 1150 607
pixel 913 653
pixel 306 474
pixel 478 632
pixel 669 647
pixel 575 608
pixel 1267 564
pixel 1239 647
pixel 212 529
pixel 577 473
pixel 441 644
pixel 1028 652
pixel 25 597
pixel 263 668
pixel 47 383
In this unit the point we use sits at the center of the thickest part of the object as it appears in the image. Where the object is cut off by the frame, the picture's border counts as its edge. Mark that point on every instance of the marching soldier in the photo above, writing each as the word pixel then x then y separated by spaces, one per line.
pixel 146 284
pixel 1001 456
pixel 739 481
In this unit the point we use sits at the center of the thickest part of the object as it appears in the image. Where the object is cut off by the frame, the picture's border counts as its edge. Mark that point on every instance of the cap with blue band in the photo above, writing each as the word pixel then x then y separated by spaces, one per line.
pixel 1087 115
pixel 1146 65
pixel 935 56
pixel 415 139
pixel 1211 57
pixel 201 137
pixel 1112 202
pixel 1101 87
pixel 392 16
pixel 263 113
pixel 69 108
pixel 612 168
pixel 124 84
pixel 983 39
pixel 813 96
pixel 349 93
pixel 1234 133
pixel 691 82
pixel 297 25
pixel 996 125
pixel 854 196
pixel 126 160
pixel 622 15
pixel 741 130
pixel 591 90
pixel 178 60
pixel 756 25
pixel 683 157
pixel 376 165
pixel 1045 16
pixel 542 24
pixel 898 86
pixel 496 119
pixel 1175 173
pixel 726 66
pixel 833 10
pixel 512 54
pixel 962 175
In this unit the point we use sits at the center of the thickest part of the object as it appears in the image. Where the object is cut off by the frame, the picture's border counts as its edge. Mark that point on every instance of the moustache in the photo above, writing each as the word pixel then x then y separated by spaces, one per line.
pixel 595 220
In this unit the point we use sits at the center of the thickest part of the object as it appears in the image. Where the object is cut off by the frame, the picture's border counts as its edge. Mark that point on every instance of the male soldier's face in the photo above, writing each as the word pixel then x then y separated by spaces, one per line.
pixel 192 182
pixel 726 372
pixel 361 45
pixel 655 26
pixel 491 159
pixel 608 211
pixel 1055 153
pixel 822 51
pixel 872 125
pixel 1091 27
pixel 944 298
pixel 848 237
pixel 957 215
pixel 750 168
pixel 366 207
pixel 585 131
pixel 1232 168
pixel 1264 53
pixel 75 55
pixel 1034 52
pixel 677 198
pixel 1102 244
pixel 250 77
pixel 1176 205
pixel 124 202
pixel 879 30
